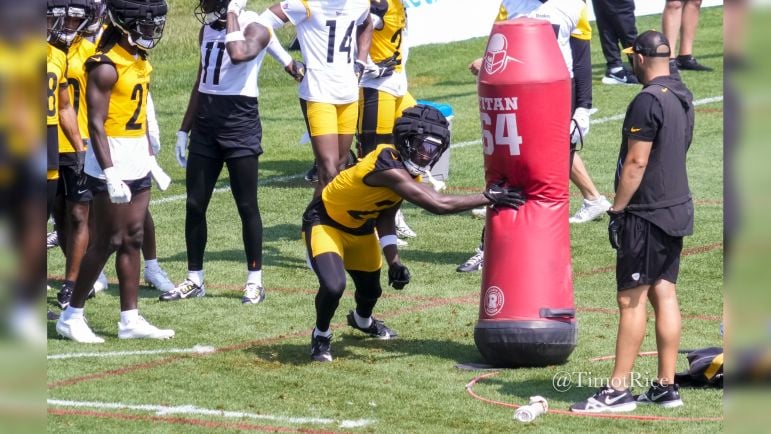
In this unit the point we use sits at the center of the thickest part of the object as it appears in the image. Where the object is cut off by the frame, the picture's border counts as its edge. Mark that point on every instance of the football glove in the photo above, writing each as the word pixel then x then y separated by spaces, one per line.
pixel 80 168
pixel 579 125
pixel 117 189
pixel 296 69
pixel 509 197
pixel 236 6
pixel 181 149
pixel 614 228
pixel 155 143
pixel 384 68
pixel 398 276
pixel 358 69
pixel 162 180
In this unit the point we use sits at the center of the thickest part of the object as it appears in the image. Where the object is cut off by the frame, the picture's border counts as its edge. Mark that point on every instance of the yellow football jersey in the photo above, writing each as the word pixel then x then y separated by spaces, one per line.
pixel 79 52
pixel 127 115
pixel 583 29
pixel 352 203
pixel 56 75
pixel 387 42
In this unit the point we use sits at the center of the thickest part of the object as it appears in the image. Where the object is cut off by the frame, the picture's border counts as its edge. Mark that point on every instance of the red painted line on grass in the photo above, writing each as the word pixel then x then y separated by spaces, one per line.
pixel 475 380
pixel 183 421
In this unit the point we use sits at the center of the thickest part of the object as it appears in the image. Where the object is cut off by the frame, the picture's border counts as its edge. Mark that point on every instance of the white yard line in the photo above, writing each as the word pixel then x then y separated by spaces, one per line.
pixel 163 410
pixel 198 349
pixel 270 180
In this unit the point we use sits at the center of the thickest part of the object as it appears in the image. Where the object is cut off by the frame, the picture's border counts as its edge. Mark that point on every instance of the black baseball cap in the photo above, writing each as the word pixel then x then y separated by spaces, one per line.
pixel 647 43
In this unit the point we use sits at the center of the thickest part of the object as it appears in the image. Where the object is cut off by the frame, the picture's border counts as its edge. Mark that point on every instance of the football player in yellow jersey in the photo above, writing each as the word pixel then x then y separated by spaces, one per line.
pixel 118 163
pixel 59 110
pixel 339 227
pixel 383 95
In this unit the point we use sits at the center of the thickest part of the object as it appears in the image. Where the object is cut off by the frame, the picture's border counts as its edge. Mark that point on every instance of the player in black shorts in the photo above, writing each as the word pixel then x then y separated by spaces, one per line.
pixel 651 213
pixel 223 122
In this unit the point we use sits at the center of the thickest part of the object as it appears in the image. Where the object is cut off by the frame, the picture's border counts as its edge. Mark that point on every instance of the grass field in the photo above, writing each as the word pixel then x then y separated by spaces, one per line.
pixel 257 374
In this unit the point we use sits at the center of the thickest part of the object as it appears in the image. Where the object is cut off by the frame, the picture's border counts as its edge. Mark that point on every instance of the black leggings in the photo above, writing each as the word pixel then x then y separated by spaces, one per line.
pixel 202 174
pixel 331 273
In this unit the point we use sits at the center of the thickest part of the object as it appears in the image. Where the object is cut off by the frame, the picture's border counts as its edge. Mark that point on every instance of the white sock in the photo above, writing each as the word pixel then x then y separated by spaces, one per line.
pixel 254 277
pixel 72 313
pixel 325 334
pixel 362 322
pixel 195 276
pixel 616 69
pixel 129 316
pixel 152 264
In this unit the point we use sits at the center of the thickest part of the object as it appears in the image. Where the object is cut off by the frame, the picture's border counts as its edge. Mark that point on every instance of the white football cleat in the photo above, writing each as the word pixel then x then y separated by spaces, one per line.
pixel 158 279
pixel 141 329
pixel 402 230
pixel 479 213
pixel 591 210
pixel 77 329
pixel 101 283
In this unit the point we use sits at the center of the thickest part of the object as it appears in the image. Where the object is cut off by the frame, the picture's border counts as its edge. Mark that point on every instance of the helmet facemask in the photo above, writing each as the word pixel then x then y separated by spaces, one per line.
pixel 141 32
pixel 420 153
pixel 209 12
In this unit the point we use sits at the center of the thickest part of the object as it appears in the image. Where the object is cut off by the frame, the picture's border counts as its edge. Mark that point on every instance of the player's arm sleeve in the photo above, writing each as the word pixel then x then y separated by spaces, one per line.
pixel 644 118
pixel 296 10
pixel 582 71
pixel 580 47
pixel 153 130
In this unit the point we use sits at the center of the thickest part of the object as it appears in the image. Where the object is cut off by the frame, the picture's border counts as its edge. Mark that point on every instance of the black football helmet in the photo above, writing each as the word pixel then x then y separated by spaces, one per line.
pixel 67 19
pixel 141 20
pixel 95 24
pixel 210 11
pixel 421 135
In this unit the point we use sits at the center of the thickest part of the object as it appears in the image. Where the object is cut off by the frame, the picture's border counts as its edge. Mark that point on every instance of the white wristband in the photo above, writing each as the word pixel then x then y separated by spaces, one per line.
pixel 238 35
pixel 387 240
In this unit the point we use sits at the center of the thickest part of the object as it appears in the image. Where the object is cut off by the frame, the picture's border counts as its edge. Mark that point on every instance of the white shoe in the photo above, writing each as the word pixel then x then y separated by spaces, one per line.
pixel 479 213
pixel 101 283
pixel 253 294
pixel 591 210
pixel 158 279
pixel 77 329
pixel 26 325
pixel 141 329
pixel 401 243
pixel 402 230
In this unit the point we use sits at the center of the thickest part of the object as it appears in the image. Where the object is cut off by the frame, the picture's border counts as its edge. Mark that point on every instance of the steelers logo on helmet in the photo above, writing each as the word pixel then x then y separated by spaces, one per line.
pixel 141 20
pixel 211 11
pixel 67 19
pixel 421 135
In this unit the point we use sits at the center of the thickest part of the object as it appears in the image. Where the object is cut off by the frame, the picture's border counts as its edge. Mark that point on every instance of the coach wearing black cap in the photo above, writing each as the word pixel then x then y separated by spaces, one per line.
pixel 651 213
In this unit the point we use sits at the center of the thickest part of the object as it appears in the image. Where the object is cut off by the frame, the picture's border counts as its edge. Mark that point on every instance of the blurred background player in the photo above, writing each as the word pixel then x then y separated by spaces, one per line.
pixel 339 226
pixel 573 32
pixel 119 164
pixel 616 25
pixel 384 95
pixel 232 45
pixel 680 19
pixel 334 39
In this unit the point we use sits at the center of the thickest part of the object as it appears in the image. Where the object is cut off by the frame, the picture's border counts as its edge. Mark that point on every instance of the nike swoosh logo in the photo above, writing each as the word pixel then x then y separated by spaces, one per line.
pixel 656 397
pixel 634 130
pixel 82 191
pixel 611 401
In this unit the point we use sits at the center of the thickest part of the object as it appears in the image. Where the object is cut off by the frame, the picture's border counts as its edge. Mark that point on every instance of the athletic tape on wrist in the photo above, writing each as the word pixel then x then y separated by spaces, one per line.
pixel 238 35
pixel 387 240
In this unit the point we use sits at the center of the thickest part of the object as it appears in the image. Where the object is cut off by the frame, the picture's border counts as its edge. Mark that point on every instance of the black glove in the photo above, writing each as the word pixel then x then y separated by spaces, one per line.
pixel 296 69
pixel 80 168
pixel 385 68
pixel 358 69
pixel 510 197
pixel 614 227
pixel 398 276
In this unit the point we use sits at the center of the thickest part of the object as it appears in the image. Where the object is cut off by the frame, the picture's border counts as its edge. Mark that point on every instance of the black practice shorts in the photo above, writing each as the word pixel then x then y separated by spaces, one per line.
pixel 646 255
pixel 97 185
pixel 52 147
pixel 226 126
pixel 68 180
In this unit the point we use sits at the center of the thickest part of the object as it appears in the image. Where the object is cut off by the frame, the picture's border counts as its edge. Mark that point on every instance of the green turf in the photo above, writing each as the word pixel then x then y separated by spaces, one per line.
pixel 406 385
